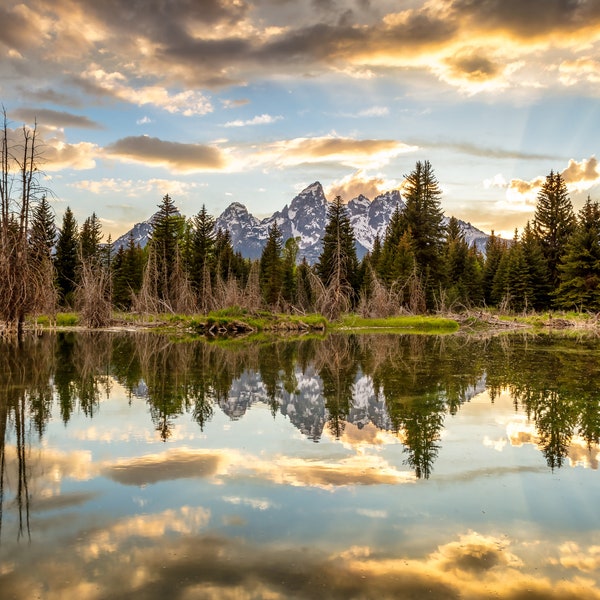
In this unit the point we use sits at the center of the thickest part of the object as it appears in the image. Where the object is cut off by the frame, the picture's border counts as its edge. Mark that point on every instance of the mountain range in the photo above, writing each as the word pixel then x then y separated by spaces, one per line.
pixel 305 218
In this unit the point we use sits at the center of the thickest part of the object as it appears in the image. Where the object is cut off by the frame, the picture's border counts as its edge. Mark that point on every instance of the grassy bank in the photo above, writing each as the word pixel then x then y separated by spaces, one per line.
pixel 236 321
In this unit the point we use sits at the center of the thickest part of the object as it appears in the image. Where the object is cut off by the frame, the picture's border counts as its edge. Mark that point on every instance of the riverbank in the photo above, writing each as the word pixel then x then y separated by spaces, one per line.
pixel 231 322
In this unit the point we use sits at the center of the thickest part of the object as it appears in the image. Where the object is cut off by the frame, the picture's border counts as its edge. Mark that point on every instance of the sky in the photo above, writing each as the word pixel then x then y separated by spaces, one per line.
pixel 220 101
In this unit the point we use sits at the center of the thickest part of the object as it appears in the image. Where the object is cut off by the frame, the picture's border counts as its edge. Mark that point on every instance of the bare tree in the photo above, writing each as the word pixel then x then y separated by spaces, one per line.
pixel 24 280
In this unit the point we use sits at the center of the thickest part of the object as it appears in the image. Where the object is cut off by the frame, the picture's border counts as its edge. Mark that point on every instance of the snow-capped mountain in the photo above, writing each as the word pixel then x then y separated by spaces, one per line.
pixel 305 218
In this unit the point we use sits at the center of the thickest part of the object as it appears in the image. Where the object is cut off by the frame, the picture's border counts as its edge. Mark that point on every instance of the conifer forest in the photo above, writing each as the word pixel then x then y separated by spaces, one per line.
pixel 189 266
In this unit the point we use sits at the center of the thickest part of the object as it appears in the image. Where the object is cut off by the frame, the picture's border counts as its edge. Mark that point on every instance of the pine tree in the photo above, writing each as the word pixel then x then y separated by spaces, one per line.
pixel 66 259
pixel 495 249
pixel 202 249
pixel 537 269
pixel 580 269
pixel 553 222
pixel 423 217
pixel 271 267
pixel 290 255
pixel 337 264
pixel 305 294
pixel 456 257
pixel 167 232
pixel 90 237
pixel 43 230
pixel 127 273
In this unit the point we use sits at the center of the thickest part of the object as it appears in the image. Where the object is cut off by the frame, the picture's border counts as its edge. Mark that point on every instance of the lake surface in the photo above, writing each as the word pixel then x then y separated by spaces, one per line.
pixel 354 466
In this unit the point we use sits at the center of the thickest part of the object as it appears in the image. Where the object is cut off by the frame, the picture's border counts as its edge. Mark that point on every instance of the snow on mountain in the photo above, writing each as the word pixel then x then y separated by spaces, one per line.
pixel 305 218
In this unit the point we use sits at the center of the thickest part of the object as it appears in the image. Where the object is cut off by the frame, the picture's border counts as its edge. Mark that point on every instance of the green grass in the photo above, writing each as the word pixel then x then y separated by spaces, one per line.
pixel 412 323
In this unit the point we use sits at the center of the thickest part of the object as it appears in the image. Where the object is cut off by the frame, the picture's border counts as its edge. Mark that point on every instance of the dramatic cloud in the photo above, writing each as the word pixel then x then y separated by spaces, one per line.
pixel 224 42
pixel 176 156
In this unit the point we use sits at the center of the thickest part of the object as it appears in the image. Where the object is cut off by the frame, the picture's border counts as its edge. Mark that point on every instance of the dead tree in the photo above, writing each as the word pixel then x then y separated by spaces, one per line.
pixel 22 278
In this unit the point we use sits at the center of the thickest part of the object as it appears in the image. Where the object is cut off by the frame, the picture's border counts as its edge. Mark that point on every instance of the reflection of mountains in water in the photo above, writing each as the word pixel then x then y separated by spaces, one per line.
pixel 305 407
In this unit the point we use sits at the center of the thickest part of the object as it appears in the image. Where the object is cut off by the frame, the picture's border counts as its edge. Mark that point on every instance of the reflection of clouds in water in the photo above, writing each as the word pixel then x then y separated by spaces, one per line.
pixel 256 503
pixel 359 469
pixel 183 521
pixel 520 431
pixel 573 556
pixel 362 438
pixel 166 466
pixel 47 468
pixel 471 567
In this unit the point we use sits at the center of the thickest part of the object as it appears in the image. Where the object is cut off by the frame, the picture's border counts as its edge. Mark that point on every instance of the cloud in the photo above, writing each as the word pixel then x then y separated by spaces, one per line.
pixel 258 120
pixel 167 466
pixel 178 157
pixel 583 174
pixel 476 47
pixel 187 103
pixel 235 103
pixel 132 188
pixel 357 153
pixel 53 118
pixel 360 182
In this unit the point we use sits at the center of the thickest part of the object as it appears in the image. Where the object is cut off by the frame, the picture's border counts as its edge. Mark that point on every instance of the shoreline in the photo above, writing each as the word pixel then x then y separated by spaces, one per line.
pixel 244 325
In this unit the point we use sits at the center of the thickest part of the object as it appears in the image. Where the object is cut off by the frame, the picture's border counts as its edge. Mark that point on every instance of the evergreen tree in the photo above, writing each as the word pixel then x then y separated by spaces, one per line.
pixel 90 238
pixel 290 255
pixel 202 249
pixel 386 266
pixel 456 258
pixel 304 290
pixel 271 267
pixel 167 232
pixel 337 265
pixel 127 273
pixel 43 230
pixel 537 269
pixel 423 217
pixel 495 249
pixel 121 296
pixel 553 222
pixel 580 270
pixel 66 259
pixel 224 255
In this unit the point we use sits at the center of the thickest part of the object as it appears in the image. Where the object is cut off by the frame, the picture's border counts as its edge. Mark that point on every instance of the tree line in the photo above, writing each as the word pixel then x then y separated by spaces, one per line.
pixel 418 265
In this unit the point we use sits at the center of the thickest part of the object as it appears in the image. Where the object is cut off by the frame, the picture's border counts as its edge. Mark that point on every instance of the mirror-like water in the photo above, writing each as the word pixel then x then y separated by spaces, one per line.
pixel 345 467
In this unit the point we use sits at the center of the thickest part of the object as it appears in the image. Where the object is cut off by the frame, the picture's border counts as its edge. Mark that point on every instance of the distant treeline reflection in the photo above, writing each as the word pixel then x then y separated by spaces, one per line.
pixel 403 384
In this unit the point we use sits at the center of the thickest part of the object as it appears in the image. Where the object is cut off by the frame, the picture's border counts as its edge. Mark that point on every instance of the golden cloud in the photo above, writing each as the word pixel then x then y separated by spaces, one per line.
pixel 360 182
pixel 357 153
pixel 474 46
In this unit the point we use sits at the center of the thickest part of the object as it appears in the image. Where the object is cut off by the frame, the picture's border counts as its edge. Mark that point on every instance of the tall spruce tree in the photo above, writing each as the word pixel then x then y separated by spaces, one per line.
pixel 337 265
pixel 66 259
pixel 553 222
pixel 423 217
pixel 202 249
pixel 167 232
pixel 271 267
pixel 90 238
pixel 580 269
pixel 495 249
pixel 43 230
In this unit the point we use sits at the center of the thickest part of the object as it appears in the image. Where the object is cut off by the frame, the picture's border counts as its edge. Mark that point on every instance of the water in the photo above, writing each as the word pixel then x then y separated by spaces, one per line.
pixel 345 467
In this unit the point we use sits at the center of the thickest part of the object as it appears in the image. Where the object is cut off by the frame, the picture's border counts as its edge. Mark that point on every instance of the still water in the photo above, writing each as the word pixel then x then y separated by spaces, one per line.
pixel 352 466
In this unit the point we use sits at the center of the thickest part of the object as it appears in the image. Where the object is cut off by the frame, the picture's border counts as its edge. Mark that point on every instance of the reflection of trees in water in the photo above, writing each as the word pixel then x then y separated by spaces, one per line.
pixel 413 383
pixel 557 390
